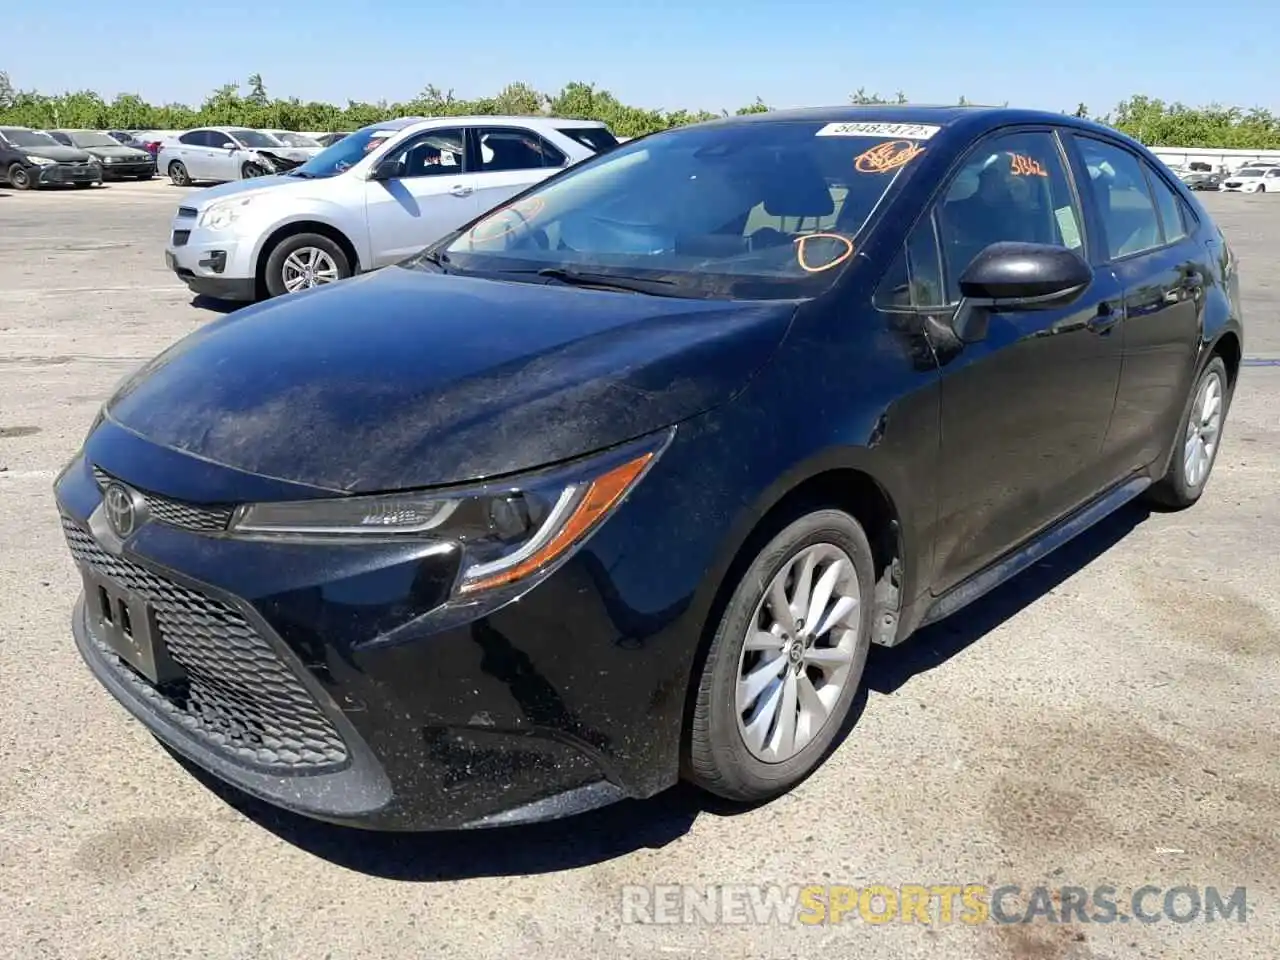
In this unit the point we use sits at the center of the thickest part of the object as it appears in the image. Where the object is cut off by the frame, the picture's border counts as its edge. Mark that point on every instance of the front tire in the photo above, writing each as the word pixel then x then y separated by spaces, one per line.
pixel 786 661
pixel 303 261
pixel 178 174
pixel 1199 435
pixel 19 178
pixel 251 170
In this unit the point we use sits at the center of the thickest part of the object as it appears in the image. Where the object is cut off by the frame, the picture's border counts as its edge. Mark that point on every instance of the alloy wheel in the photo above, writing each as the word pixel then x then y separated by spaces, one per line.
pixel 798 653
pixel 307 267
pixel 1203 426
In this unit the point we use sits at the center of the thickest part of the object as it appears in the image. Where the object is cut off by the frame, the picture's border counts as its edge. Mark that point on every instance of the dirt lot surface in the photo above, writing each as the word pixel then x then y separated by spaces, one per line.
pixel 1111 717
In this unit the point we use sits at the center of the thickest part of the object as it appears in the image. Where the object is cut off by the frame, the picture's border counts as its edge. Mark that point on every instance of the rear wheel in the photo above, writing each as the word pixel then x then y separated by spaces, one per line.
pixel 1196 447
pixel 303 261
pixel 786 661
pixel 19 178
pixel 178 174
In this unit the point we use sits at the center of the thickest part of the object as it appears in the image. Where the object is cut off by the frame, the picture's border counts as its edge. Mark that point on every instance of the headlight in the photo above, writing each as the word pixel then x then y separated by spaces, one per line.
pixel 42 161
pixel 223 213
pixel 506 531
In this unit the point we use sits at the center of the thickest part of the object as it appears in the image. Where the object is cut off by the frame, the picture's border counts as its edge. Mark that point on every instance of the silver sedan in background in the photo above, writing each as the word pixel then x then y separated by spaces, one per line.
pixel 222 154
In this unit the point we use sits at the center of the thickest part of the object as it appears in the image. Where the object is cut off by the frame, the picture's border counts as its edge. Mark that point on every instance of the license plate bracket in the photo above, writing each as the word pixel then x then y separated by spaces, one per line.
pixel 127 624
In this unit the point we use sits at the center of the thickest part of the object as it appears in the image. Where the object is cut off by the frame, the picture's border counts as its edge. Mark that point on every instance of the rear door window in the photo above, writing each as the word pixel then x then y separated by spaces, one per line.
pixel 598 139
pixel 1172 218
pixel 514 148
pixel 1123 197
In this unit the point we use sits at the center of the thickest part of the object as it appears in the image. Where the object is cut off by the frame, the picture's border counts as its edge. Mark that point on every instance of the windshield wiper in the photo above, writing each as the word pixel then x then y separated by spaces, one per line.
pixel 609 281
pixel 435 258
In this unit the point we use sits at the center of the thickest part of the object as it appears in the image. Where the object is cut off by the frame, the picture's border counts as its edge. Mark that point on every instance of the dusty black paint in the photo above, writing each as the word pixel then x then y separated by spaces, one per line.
pixel 443 379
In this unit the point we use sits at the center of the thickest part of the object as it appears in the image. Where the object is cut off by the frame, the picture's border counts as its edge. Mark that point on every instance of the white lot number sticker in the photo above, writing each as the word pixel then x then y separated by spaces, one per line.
pixel 898 131
pixel 1068 227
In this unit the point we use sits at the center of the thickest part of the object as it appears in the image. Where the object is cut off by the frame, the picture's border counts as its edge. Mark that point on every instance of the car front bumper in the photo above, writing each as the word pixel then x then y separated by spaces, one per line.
pixel 211 263
pixel 121 171
pixel 337 681
pixel 57 174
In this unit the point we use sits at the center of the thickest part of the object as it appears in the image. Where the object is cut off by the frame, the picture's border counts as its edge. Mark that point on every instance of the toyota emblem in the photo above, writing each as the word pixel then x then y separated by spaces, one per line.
pixel 119 503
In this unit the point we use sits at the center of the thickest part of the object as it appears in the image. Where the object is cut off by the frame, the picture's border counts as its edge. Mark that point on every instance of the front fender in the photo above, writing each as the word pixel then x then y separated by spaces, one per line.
pixel 331 215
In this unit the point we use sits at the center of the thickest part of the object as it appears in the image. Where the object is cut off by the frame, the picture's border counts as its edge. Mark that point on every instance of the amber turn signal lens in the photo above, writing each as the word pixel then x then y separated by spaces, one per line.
pixel 601 496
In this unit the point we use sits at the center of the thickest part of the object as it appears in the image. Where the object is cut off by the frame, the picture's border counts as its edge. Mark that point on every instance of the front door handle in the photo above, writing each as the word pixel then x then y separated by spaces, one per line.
pixel 460 190
pixel 1108 316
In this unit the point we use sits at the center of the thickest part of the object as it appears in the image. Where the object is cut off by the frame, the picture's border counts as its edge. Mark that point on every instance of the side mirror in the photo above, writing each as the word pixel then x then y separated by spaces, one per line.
pixel 1024 276
pixel 1017 276
pixel 387 170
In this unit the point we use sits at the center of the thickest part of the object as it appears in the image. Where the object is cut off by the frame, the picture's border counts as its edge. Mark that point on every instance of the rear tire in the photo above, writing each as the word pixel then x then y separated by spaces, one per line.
pixel 1195 448
pixel 293 256
pixel 750 746
pixel 19 178
pixel 178 174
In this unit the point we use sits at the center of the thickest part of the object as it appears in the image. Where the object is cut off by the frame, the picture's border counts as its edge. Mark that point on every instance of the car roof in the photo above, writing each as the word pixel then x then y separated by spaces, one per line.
pixel 539 123
pixel 934 115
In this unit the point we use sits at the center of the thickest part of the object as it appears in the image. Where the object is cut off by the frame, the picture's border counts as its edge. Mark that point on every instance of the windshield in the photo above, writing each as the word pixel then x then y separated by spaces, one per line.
pixel 1250 172
pixel 290 139
pixel 29 138
pixel 753 211
pixel 92 139
pixel 256 139
pixel 345 154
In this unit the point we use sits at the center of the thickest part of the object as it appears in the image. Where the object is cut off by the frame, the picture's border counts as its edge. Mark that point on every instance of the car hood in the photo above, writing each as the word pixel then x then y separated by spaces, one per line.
pixel 127 153
pixel 60 153
pixel 245 187
pixel 407 378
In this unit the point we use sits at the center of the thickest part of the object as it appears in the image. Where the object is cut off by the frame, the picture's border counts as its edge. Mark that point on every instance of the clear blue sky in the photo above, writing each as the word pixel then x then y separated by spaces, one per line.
pixel 658 53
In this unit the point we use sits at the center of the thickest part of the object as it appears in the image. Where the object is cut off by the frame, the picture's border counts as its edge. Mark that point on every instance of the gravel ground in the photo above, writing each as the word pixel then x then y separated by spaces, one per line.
pixel 1108 718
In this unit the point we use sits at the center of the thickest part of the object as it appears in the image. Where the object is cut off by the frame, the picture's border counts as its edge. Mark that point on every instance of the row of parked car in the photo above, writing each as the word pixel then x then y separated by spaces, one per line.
pixel 36 158
pixel 1253 177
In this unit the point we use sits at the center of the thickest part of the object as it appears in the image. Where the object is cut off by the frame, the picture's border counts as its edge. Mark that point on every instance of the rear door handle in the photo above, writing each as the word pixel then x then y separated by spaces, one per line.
pixel 460 190
pixel 1108 316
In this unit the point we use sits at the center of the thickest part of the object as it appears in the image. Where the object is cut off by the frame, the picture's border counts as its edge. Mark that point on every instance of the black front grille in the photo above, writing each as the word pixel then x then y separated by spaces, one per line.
pixel 238 696
pixel 180 237
pixel 178 513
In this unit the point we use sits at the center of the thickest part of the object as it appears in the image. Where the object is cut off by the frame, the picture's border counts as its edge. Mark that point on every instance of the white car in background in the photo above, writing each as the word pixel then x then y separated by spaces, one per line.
pixel 1254 178
pixel 220 154
pixel 297 142
pixel 372 199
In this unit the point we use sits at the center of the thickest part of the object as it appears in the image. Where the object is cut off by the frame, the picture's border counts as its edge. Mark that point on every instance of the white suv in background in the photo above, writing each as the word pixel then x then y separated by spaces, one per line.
pixel 1254 178
pixel 372 199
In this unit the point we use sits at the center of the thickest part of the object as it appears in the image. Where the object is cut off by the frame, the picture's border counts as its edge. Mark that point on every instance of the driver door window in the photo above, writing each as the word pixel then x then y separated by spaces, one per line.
pixel 438 153
pixel 1013 187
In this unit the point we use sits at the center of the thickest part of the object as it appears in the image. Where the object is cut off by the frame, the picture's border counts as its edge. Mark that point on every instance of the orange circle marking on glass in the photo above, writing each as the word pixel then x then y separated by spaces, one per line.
pixel 525 210
pixel 800 243
pixel 887 156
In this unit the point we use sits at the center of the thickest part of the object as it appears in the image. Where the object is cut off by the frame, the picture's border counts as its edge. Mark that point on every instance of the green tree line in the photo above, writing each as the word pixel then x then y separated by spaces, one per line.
pixel 1149 120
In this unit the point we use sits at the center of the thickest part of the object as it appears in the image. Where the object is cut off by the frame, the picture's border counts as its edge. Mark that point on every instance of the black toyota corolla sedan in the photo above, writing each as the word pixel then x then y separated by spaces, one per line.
pixel 616 484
